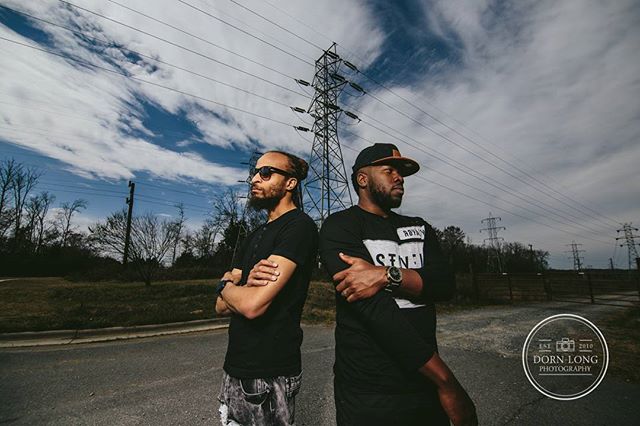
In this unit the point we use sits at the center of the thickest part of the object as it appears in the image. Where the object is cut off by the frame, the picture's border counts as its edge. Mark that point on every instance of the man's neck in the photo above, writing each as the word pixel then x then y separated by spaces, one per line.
pixel 368 205
pixel 283 207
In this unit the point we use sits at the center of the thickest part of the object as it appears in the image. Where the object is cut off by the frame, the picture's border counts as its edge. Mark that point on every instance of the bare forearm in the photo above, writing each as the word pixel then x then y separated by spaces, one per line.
pixel 454 399
pixel 242 300
pixel 221 307
pixel 411 285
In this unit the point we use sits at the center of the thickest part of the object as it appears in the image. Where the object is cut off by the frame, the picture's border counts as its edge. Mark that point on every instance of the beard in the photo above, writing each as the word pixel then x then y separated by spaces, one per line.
pixel 268 199
pixel 384 199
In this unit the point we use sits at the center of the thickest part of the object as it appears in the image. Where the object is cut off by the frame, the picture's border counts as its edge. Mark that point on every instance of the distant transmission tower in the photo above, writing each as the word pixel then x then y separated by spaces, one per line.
pixel 493 260
pixel 630 243
pixel 575 254
pixel 327 186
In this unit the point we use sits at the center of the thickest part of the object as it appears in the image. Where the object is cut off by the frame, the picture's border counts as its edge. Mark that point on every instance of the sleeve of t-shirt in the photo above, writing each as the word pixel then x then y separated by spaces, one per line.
pixel 380 313
pixel 298 240
pixel 438 281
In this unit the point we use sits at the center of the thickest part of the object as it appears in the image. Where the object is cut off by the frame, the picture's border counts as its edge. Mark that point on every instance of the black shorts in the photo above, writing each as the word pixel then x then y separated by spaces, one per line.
pixel 359 409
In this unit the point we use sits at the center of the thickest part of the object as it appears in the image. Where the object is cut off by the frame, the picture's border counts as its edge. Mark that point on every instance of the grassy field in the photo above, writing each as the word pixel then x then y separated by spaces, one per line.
pixel 37 304
pixel 622 332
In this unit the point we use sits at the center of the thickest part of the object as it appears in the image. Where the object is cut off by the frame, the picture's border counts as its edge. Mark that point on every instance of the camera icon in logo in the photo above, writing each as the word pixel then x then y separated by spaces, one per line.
pixel 565 345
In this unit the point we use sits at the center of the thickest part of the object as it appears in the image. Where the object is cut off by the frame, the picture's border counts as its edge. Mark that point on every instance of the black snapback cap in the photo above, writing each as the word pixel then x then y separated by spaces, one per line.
pixel 385 153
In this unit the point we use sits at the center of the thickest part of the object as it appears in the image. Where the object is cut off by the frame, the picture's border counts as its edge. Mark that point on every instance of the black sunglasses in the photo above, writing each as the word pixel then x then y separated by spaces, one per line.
pixel 267 171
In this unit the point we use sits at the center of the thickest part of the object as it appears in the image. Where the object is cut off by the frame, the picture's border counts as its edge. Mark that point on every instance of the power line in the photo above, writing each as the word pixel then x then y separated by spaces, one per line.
pixel 476 199
pixel 241 30
pixel 142 55
pixel 435 118
pixel 461 167
pixel 276 24
pixel 471 197
pixel 375 97
pixel 202 55
pixel 444 137
pixel 88 64
pixel 257 30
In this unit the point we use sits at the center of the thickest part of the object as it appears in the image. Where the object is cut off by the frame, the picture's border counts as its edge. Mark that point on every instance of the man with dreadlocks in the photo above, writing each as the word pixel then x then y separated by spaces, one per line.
pixel 264 293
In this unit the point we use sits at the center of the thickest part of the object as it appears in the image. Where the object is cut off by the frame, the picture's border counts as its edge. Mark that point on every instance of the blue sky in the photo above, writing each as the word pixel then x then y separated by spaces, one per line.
pixel 526 109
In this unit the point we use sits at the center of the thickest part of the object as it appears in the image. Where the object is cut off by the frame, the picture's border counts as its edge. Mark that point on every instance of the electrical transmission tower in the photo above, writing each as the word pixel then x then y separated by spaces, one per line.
pixel 493 260
pixel 575 254
pixel 327 186
pixel 630 243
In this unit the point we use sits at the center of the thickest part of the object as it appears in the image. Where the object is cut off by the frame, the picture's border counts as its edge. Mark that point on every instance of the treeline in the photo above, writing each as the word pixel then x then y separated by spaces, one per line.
pixel 39 238
pixel 511 256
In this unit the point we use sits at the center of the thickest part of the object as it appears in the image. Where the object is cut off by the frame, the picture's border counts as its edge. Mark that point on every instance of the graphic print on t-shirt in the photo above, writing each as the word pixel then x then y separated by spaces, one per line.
pixel 407 255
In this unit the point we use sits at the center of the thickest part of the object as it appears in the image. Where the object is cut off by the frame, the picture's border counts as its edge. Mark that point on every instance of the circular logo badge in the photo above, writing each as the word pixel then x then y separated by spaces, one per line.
pixel 565 357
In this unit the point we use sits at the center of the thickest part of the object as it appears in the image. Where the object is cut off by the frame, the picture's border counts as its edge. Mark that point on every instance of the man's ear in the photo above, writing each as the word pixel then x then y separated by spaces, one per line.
pixel 292 183
pixel 362 179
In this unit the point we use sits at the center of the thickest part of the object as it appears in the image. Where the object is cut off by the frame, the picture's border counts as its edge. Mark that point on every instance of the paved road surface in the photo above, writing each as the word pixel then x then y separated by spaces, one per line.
pixel 175 379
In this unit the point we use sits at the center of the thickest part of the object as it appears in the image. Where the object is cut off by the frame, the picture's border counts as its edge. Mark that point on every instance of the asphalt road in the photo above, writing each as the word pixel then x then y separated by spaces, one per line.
pixel 175 379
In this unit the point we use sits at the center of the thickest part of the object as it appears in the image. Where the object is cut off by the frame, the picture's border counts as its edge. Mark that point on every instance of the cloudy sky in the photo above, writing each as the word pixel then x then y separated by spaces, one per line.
pixel 528 110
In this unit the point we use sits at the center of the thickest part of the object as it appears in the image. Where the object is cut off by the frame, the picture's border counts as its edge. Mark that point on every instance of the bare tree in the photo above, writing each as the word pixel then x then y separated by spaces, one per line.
pixel 151 240
pixel 227 207
pixel 7 172
pixel 179 228
pixel 22 182
pixel 203 241
pixel 37 209
pixel 64 217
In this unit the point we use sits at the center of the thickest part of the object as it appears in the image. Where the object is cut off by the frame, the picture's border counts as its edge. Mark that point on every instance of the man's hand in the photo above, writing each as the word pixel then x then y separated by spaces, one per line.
pixel 360 280
pixel 263 273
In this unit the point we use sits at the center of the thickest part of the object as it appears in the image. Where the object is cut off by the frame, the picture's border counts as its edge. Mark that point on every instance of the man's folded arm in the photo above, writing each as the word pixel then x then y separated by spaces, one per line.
pixel 380 313
pixel 252 302
pixel 296 245
pixel 234 275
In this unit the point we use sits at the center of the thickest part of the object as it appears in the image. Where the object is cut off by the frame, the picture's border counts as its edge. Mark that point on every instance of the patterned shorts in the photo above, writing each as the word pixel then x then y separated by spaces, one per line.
pixel 269 401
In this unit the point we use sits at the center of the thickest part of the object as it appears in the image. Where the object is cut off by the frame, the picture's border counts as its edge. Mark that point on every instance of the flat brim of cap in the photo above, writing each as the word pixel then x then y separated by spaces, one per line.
pixel 405 166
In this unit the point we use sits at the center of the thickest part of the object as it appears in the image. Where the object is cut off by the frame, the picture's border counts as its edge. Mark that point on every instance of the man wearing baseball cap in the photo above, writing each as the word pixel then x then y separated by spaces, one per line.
pixel 389 270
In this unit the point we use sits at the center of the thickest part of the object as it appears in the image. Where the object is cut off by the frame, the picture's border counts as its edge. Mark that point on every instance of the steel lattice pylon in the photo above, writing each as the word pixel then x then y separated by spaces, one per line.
pixel 327 185
pixel 494 263
pixel 629 238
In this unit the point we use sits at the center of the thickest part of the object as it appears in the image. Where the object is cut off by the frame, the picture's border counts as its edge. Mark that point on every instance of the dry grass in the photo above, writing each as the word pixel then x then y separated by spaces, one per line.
pixel 37 304
pixel 622 332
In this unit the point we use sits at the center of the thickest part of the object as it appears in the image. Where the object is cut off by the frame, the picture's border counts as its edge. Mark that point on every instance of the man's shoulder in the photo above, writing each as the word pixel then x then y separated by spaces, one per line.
pixel 298 218
pixel 411 220
pixel 342 217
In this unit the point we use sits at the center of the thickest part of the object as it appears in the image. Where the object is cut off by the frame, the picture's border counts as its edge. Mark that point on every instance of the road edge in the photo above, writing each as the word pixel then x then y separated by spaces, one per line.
pixel 68 337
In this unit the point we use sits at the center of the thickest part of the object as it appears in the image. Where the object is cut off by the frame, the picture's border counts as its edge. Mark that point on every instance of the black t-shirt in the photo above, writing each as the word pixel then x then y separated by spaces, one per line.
pixel 382 341
pixel 269 346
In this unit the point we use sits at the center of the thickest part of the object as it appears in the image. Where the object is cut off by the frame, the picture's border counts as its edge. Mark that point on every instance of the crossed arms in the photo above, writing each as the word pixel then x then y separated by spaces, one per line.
pixel 254 298
pixel 360 283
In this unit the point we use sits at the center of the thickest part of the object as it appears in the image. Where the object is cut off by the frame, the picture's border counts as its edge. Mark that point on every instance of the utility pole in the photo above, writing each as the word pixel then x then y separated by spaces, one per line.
pixel 629 238
pixel 327 186
pixel 493 260
pixel 575 254
pixel 611 263
pixel 127 238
